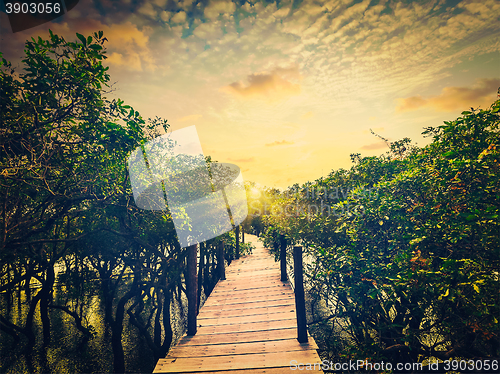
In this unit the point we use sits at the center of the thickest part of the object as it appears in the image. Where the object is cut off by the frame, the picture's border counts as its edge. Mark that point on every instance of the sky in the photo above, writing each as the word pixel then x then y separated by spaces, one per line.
pixel 287 90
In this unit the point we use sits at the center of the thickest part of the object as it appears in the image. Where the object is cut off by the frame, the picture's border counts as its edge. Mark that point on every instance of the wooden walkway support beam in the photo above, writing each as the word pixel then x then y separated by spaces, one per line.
pixel 221 263
pixel 300 301
pixel 284 276
pixel 192 288
pixel 237 235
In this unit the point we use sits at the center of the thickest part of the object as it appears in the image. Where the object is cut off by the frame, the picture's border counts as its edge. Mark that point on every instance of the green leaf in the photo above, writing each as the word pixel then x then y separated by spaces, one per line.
pixel 449 154
pixel 82 38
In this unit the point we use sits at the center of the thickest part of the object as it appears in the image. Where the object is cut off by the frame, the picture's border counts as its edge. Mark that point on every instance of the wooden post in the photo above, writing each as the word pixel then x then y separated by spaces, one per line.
pixel 300 302
pixel 192 286
pixel 220 261
pixel 237 242
pixel 201 270
pixel 242 234
pixel 230 255
pixel 284 277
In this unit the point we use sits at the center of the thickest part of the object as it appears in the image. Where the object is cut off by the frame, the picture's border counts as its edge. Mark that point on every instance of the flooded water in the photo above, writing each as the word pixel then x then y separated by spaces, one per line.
pixel 68 351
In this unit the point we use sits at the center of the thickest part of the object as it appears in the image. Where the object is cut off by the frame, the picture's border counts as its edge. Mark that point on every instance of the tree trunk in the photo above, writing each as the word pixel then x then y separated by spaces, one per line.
pixel 158 330
pixel 167 323
pixel 44 303
pixel 28 326
pixel 116 334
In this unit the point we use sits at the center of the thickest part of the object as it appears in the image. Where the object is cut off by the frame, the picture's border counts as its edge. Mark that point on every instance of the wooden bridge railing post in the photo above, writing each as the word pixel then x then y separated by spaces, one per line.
pixel 284 277
pixel 300 303
pixel 201 271
pixel 192 288
pixel 237 242
pixel 220 261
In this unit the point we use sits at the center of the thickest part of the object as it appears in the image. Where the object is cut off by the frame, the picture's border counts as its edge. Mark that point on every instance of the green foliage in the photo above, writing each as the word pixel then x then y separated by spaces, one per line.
pixel 68 218
pixel 410 269
pixel 229 239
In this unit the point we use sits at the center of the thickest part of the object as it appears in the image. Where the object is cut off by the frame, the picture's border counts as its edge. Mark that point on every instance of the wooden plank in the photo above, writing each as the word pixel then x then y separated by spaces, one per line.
pixel 247 327
pixel 243 300
pixel 243 337
pixel 263 309
pixel 253 318
pixel 286 345
pixel 266 291
pixel 221 290
pixel 272 300
pixel 283 370
pixel 247 285
pixel 220 363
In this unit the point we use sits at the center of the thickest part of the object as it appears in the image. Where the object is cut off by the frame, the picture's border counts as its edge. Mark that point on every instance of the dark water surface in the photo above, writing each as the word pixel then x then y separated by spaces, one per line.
pixel 69 352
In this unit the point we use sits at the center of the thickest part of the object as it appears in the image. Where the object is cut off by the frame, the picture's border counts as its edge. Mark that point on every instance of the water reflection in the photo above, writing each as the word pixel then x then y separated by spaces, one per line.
pixel 70 351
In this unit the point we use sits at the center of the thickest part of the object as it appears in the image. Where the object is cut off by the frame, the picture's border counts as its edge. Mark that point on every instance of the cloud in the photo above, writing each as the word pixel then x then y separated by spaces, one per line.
pixel 374 146
pixel 454 98
pixel 283 142
pixel 274 86
pixel 215 8
pixel 128 47
pixel 410 103
pixel 147 10
pixel 191 117
pixel 179 17
pixel 307 115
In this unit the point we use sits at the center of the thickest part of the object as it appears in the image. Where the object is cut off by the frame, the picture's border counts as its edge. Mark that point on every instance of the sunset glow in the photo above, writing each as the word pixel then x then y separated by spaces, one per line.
pixel 288 90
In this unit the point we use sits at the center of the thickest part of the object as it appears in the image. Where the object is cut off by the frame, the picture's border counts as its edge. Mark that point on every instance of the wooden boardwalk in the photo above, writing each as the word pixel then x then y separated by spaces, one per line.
pixel 248 325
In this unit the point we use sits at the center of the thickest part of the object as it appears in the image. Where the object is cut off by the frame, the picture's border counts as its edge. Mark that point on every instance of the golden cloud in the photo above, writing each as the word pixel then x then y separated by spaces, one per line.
pixel 455 98
pixel 283 142
pixel 273 86
pixel 307 115
pixel 374 146
pixel 214 8
pixel 128 46
pixel 191 117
